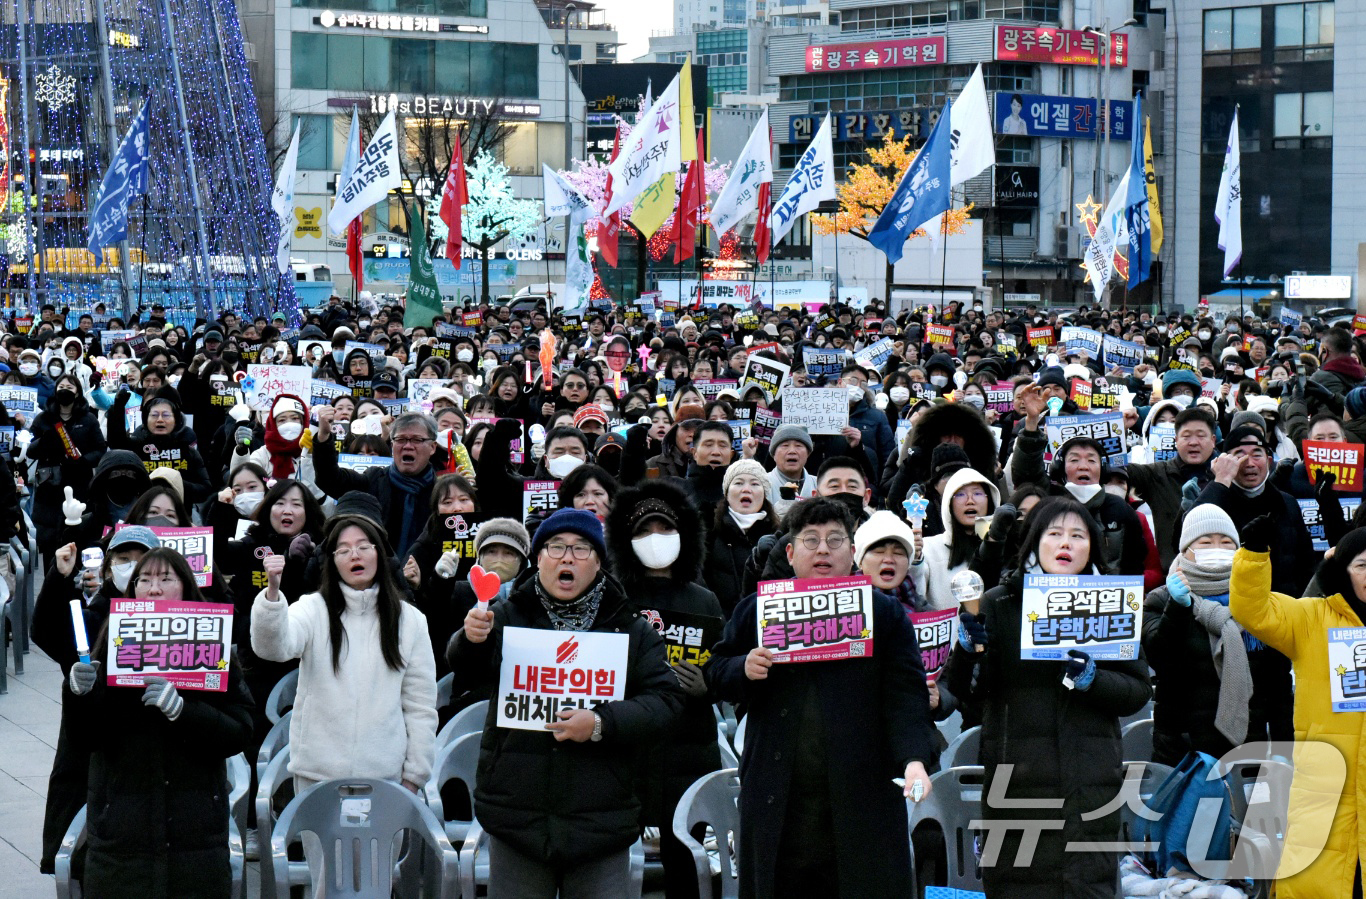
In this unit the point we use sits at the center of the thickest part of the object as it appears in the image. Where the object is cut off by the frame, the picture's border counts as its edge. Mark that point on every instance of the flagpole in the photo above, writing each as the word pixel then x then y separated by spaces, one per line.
pixel 142 246
pixel 102 33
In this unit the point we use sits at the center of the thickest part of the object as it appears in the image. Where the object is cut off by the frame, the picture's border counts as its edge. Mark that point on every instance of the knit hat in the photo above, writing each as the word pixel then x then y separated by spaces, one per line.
pixel 1355 402
pixel 356 502
pixel 946 459
pixel 503 532
pixel 689 411
pixel 590 412
pixel 134 535
pixel 1204 520
pixel 744 466
pixel 791 432
pixel 1249 435
pixel 1177 377
pixel 1247 417
pixel 288 404
pixel 880 527
pixel 1262 405
pixel 571 521
pixel 1052 376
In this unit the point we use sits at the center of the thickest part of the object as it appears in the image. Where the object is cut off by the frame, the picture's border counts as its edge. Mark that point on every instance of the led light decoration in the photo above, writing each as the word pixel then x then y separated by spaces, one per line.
pixel 1089 213
pixel 54 88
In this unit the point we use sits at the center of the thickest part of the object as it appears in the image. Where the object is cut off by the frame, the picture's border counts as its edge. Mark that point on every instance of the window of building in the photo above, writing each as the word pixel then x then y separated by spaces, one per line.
pixel 1015 150
pixel 1009 222
pixel 1011 77
pixel 1304 117
pixel 1304 31
pixel 1233 36
pixel 468 8
pixel 315 141
pixel 379 64
pixel 1031 10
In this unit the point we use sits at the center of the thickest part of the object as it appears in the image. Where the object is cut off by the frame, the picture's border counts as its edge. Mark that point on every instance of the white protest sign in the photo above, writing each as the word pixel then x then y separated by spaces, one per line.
pixel 1099 615
pixel 766 374
pixel 545 672
pixel 821 410
pixel 420 393
pixel 264 383
pixel 362 461
pixel 1347 668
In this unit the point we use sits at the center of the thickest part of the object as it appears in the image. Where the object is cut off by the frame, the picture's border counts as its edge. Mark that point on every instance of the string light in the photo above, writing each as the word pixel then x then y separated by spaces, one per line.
pixel 54 88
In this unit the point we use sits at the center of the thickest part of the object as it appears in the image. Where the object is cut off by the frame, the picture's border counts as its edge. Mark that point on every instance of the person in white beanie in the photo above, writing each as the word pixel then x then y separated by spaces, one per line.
pixel 284 453
pixel 883 548
pixel 968 495
pixel 1217 686
pixel 742 518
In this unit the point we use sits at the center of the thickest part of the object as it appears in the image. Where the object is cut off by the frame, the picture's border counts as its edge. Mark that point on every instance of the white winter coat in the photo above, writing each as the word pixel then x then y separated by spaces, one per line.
pixel 933 577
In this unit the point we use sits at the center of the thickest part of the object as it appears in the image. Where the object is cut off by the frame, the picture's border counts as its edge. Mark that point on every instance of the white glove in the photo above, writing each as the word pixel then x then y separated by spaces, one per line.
pixel 72 509
pixel 447 564
pixel 240 412
pixel 537 450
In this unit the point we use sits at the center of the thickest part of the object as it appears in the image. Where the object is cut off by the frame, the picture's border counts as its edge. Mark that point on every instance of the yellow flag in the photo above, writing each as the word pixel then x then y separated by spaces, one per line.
pixel 655 204
pixel 1154 209
pixel 687 118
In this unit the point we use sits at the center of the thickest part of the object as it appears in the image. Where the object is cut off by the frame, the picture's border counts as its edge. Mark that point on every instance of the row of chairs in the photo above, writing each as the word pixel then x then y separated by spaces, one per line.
pixel 16 606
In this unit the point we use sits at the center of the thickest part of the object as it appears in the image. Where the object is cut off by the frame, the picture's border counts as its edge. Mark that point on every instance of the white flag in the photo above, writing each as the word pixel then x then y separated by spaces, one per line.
pixel 560 197
pixel 377 172
pixel 282 201
pixel 812 183
pixel 1228 203
pixel 973 149
pixel 654 149
pixel 352 155
pixel 740 195
pixel 1110 232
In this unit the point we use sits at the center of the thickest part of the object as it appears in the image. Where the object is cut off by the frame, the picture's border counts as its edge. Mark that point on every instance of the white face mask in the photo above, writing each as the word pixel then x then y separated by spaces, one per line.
pixel 122 573
pixel 899 395
pixel 290 430
pixel 657 550
pixel 939 380
pixel 28 369
pixel 489 365
pixel 446 438
pixel 975 401
pixel 464 355
pixel 1204 335
pixel 1215 559
pixel 561 466
pixel 1084 493
pixel 246 503
pixel 855 393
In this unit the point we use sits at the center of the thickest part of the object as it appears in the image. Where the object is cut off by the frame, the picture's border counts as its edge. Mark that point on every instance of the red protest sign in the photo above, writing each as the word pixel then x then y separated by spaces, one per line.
pixel 1359 324
pixel 940 335
pixel 1081 394
pixel 1344 460
pixel 1040 338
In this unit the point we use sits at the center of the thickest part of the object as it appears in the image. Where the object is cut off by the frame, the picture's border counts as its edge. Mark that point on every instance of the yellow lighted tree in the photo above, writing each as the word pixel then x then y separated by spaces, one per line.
pixel 868 189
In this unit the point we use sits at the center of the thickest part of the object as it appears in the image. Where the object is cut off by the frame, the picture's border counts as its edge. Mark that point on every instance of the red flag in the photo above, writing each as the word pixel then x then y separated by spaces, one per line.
pixel 609 228
pixel 454 196
pixel 763 235
pixel 690 203
pixel 354 254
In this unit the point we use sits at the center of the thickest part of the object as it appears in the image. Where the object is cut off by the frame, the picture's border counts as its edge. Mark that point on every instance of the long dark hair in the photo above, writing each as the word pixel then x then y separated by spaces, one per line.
pixel 574 483
pixel 389 602
pixel 1049 510
pixel 189 590
pixel 137 513
pixel 313 514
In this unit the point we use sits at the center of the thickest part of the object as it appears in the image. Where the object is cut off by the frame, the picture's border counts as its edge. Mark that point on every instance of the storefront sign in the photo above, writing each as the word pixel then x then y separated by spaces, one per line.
pixel 911 51
pixel 1059 46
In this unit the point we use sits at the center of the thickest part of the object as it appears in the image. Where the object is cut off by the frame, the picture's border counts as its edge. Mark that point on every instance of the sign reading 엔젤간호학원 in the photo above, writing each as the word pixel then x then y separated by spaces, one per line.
pixel 1098 614
pixel 816 619
pixel 187 643
pixel 546 672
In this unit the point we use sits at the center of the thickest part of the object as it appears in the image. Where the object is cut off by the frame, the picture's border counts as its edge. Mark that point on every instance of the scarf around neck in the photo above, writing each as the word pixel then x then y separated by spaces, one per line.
pixel 577 614
pixel 1203 581
pixel 410 486
pixel 1230 661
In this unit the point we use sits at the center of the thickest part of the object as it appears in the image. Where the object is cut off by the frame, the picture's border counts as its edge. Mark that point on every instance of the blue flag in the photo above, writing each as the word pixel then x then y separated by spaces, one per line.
pixel 125 179
pixel 1136 208
pixel 922 194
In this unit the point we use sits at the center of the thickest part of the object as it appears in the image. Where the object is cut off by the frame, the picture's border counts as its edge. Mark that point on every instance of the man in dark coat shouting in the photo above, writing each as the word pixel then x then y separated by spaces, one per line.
pixel 819 813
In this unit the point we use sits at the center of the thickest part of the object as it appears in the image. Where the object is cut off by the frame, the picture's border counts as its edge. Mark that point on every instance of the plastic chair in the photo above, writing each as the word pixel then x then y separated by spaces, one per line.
pixel 474 864
pixel 1149 776
pixel 72 842
pixel 281 697
pixel 713 800
pixel 964 750
pixel 468 720
pixel 1141 714
pixel 277 739
pixel 955 800
pixel 1137 740
pixel 270 784
pixel 457 761
pixel 443 690
pixel 18 607
pixel 740 735
pixel 728 757
pixel 358 821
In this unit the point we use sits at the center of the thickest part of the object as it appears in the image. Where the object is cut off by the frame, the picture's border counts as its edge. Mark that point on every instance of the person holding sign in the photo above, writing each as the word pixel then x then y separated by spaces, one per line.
pixel 162 440
pixel 66 447
pixel 1056 723
pixel 654 542
pixel 825 739
pixel 157 825
pixel 556 797
pixel 282 453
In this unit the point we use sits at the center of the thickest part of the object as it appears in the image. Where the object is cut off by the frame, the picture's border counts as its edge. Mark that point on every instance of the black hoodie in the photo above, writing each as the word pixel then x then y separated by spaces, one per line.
pixel 939 421
pixel 177 450
pixel 119 479
pixel 54 466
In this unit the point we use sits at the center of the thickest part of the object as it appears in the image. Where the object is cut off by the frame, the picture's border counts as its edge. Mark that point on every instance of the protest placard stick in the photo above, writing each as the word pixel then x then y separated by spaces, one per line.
pixel 486 586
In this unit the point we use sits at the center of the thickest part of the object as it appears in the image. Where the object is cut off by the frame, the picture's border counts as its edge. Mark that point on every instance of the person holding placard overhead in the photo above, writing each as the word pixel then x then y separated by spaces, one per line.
pixel 556 798
pixel 1050 729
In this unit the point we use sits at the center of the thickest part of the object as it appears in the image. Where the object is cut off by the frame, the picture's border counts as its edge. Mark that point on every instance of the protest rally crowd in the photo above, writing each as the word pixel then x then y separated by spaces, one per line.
pixel 841 528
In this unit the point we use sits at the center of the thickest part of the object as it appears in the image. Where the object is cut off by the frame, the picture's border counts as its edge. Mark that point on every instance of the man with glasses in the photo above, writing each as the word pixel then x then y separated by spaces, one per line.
pixel 558 804
pixel 825 739
pixel 403 488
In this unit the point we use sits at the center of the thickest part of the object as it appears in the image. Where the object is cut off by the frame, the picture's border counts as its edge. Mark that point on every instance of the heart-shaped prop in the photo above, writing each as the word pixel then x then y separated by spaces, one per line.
pixel 486 583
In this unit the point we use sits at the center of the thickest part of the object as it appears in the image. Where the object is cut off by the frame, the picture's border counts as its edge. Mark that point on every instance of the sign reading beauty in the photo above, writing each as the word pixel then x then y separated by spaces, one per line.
pixel 911 51
pixel 1060 46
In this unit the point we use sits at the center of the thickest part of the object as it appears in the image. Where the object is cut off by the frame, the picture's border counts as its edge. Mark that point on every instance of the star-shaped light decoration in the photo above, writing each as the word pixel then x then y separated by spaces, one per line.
pixel 55 88
pixel 1090 220
pixel 222 664
pixel 1033 617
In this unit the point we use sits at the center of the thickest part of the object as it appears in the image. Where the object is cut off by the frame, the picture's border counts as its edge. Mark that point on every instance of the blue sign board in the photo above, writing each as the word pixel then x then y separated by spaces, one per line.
pixel 1033 115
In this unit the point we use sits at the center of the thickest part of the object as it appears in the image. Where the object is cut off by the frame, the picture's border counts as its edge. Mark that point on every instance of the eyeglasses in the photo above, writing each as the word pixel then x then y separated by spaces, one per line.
pixel 581 551
pixel 970 495
pixel 146 581
pixel 832 541
pixel 359 549
pixel 409 441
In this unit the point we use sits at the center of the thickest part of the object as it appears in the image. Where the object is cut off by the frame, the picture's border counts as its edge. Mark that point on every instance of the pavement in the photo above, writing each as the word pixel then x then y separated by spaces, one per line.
pixel 30 715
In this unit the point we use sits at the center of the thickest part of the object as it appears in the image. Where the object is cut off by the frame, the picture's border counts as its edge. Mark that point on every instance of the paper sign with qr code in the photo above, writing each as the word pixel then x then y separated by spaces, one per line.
pixel 187 643
pixel 816 619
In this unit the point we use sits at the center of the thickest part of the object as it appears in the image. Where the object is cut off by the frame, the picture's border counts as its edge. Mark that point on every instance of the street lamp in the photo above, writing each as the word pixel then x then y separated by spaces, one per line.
pixel 568 125
pixel 1103 102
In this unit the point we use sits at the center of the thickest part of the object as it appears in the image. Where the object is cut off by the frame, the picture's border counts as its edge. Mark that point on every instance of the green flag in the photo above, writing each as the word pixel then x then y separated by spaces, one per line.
pixel 424 299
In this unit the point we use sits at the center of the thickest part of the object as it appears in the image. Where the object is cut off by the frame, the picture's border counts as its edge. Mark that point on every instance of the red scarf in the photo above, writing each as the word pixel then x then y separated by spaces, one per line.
pixel 284 454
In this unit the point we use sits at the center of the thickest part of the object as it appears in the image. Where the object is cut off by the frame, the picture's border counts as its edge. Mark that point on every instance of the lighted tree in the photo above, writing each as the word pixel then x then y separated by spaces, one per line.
pixel 493 214
pixel 868 189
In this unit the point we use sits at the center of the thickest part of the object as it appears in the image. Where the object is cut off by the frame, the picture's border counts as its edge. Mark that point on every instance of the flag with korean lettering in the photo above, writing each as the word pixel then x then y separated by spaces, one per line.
pixel 1136 213
pixel 187 643
pixel 125 179
pixel 545 672
pixel 653 150
pixel 922 194
pixel 740 195
pixel 816 619
pixel 282 202
pixel 812 183
pixel 1228 201
pixel 377 172
pixel 1100 615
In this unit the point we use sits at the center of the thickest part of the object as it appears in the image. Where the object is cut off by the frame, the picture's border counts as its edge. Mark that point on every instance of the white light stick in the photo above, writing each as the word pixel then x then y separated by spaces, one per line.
pixel 78 628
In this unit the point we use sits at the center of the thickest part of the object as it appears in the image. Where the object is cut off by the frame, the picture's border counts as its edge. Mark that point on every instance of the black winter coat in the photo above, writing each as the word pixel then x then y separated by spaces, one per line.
pixel 873 715
pixel 1292 550
pixel 1160 486
pixel 1187 685
pixel 54 469
pixel 728 553
pixel 336 481
pixel 1064 744
pixel 177 450
pixel 568 802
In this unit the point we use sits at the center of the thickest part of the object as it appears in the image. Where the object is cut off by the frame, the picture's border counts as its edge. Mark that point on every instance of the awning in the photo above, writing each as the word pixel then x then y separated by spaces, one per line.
pixel 1248 294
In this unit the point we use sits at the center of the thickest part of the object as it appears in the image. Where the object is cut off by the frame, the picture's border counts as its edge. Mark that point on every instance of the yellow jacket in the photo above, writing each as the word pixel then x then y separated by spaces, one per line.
pixel 1325 837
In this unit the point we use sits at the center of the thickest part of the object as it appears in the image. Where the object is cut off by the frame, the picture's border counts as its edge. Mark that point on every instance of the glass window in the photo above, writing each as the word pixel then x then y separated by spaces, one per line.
pixel 1290 26
pixel 410 66
pixel 1247 28
pixel 452 67
pixel 1288 115
pixel 1218 31
pixel 521 71
pixel 342 71
pixel 486 69
pixel 308 56
pixel 1318 114
pixel 376 64
pixel 315 132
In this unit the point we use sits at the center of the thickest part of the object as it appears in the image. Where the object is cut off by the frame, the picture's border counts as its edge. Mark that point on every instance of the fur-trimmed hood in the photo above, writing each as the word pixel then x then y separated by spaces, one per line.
pixel 624 563
pixel 944 419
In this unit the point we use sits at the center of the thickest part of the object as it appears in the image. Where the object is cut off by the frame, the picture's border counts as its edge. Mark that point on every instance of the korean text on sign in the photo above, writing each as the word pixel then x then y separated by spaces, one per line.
pixel 1061 46
pixel 545 672
pixel 1107 429
pixel 821 410
pixel 917 51
pixel 934 632
pixel 816 619
pixel 1344 460
pixel 194 544
pixel 1347 668
pixel 187 643
pixel 539 498
pixel 1313 521
pixel 1100 615
pixel 687 638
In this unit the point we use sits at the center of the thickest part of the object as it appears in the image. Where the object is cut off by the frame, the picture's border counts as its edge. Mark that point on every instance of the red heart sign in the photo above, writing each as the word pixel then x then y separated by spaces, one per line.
pixel 486 583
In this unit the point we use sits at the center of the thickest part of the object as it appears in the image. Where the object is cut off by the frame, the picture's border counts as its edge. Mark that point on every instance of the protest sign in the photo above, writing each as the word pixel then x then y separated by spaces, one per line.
pixel 823 364
pixel 362 461
pixel 443 348
pixel 223 394
pixel 1309 513
pixel 1082 340
pixel 1342 459
pixel 1105 395
pixel 1097 614
pixel 420 393
pixel 1178 337
pixel 1040 338
pixel 816 619
pixel 875 355
pixel 360 387
pixel 1080 393
pixel 1107 429
pixel 821 410
pixel 1001 397
pixel 7 439
pixel 138 344
pixel 764 424
pixel 194 544
pixel 922 391
pixel 545 672
pixel 934 632
pixel 504 351
pixel 1007 344
pixel 1122 354
pixel 939 335
pixel 323 393
pixel 711 387
pixel 1162 441
pixel 766 374
pixel 1347 668
pixel 313 352
pixel 109 338
pixel 740 431
pixel 540 498
pixel 687 638
pixel 1290 317
pixel 20 399
pixel 457 533
pixel 1359 324
pixel 109 373
pixel 374 350
pixel 187 643
pixel 445 329
pixel 265 383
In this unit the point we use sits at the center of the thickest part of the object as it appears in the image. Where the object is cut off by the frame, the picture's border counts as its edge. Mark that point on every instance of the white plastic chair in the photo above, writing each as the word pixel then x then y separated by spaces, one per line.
pixel 281 697
pixel 712 800
pixel 468 720
pixel 456 761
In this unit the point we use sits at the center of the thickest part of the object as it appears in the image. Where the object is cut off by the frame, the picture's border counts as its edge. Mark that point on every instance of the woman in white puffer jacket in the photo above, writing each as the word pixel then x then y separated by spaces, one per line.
pixel 967 496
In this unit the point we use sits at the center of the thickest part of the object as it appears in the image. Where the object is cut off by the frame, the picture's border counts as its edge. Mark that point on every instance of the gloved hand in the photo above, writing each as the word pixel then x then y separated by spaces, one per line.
pixel 82 677
pixel 447 565
pixel 163 694
pixel 239 412
pixel 1079 671
pixel 300 548
pixel 242 436
pixel 1002 522
pixel 72 509
pixel 972 630
pixel 1330 508
pixel 1178 588
pixel 1257 534
pixel 507 428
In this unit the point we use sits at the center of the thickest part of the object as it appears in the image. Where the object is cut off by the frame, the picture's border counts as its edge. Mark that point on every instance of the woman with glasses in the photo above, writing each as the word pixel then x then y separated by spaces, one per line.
pixel 157 819
pixel 968 495
pixel 366 703
pixel 163 440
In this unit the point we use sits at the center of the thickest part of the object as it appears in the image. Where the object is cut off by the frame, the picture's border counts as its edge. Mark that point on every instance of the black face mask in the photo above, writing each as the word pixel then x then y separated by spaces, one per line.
pixel 65 397
pixel 853 501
